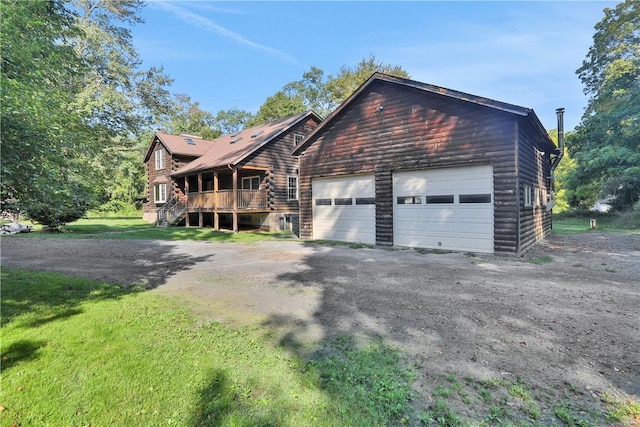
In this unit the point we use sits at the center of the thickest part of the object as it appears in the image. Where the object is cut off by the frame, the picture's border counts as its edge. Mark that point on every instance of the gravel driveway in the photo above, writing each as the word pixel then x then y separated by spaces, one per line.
pixel 573 319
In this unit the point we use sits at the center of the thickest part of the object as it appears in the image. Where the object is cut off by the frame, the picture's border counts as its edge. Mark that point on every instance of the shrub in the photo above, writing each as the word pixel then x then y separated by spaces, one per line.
pixel 629 218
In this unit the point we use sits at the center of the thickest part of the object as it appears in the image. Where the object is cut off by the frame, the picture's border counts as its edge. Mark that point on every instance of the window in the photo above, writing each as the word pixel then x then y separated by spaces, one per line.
pixel 365 200
pixel 409 200
pixel 207 182
pixel 160 159
pixel 292 188
pixel 536 196
pixel 543 197
pixel 439 200
pixel 160 193
pixel 528 193
pixel 474 198
pixel 297 139
pixel 344 201
pixel 251 183
pixel 192 182
pixel 323 202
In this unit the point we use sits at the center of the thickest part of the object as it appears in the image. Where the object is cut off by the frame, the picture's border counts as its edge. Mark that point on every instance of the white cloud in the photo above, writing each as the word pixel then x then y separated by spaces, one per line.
pixel 210 26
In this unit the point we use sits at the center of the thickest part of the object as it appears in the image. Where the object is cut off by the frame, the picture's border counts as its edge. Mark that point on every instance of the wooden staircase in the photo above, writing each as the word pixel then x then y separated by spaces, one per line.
pixel 171 213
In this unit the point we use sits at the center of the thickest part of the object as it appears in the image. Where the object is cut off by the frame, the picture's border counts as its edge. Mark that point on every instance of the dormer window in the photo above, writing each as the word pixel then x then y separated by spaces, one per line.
pixel 160 159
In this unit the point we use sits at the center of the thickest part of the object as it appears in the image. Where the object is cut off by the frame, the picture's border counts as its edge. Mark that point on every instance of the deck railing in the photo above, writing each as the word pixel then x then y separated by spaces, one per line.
pixel 223 199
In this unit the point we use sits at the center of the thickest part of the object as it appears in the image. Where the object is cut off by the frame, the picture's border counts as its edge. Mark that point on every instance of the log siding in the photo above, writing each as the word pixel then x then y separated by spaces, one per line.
pixel 389 128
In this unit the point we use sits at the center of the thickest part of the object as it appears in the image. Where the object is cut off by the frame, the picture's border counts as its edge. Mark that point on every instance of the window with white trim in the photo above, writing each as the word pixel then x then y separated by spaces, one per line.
pixel 536 196
pixel 528 192
pixel 160 159
pixel 160 193
pixel 292 188
pixel 297 139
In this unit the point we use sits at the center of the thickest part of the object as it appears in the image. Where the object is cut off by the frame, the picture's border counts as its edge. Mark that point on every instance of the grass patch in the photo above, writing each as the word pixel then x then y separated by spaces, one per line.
pixel 136 228
pixel 569 415
pixel 440 414
pixel 342 244
pixel 538 260
pixel 580 224
pixel 507 402
pixel 368 382
pixel 621 409
pixel 82 352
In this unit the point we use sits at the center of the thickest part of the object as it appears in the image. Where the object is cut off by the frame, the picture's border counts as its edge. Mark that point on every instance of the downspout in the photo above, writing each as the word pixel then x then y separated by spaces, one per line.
pixel 518 189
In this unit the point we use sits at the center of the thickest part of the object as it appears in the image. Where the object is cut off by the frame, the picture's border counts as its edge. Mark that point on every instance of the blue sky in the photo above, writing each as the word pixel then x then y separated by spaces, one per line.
pixel 236 54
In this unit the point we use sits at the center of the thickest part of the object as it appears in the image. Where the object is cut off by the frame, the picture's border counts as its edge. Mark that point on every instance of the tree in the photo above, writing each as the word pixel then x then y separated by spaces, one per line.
pixel 348 79
pixel 276 107
pixel 231 121
pixel 73 98
pixel 187 117
pixel 606 144
pixel 323 95
pixel 563 191
pixel 312 89
pixel 44 148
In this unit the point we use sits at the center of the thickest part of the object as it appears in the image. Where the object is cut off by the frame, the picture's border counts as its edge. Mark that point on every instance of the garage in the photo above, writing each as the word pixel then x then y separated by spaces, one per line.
pixel 344 209
pixel 448 208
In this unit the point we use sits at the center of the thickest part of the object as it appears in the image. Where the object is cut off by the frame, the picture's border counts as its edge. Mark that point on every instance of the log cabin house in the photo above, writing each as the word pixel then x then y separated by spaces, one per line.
pixel 410 164
pixel 244 180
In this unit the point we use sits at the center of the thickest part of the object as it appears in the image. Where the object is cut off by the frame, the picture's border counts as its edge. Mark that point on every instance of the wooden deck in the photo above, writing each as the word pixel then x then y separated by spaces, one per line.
pixel 227 200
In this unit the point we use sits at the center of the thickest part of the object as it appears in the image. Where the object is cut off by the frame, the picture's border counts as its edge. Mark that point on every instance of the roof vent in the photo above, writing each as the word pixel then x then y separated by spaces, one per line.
pixel 189 141
pixel 234 140
pixel 260 132
pixel 233 135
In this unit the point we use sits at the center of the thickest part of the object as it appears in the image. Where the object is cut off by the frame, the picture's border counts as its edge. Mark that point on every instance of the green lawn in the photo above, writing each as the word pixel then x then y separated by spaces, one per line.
pixel 81 352
pixel 136 228
pixel 577 225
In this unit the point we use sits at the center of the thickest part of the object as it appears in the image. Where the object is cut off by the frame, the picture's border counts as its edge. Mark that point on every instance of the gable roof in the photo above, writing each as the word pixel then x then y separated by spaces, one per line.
pixel 232 149
pixel 462 96
pixel 185 145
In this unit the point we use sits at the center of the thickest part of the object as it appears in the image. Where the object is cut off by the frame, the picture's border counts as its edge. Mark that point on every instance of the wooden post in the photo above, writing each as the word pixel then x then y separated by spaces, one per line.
pixel 216 219
pixel 235 200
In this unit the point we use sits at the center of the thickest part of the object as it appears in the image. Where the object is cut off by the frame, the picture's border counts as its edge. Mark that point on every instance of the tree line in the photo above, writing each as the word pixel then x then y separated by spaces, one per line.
pixel 78 110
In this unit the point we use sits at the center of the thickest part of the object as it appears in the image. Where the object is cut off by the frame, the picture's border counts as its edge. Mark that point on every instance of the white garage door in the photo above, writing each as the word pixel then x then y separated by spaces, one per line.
pixel 344 209
pixel 449 209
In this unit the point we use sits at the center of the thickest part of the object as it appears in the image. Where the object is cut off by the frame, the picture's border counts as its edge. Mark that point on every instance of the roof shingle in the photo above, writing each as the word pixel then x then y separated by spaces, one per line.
pixel 232 149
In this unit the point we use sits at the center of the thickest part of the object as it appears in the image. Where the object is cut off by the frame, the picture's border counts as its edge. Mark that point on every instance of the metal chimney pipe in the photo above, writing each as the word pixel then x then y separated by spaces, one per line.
pixel 560 149
pixel 560 114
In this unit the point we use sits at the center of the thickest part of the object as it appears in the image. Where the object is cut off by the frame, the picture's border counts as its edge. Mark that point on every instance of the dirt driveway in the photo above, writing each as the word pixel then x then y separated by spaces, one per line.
pixel 573 319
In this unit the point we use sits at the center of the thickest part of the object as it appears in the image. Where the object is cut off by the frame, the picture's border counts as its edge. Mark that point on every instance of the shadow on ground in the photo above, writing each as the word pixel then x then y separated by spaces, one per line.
pixel 552 326
pixel 148 263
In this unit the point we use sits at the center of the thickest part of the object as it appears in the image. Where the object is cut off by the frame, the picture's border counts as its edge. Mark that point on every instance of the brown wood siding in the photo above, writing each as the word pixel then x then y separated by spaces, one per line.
pixel 414 130
pixel 534 169
pixel 276 157
pixel 172 164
